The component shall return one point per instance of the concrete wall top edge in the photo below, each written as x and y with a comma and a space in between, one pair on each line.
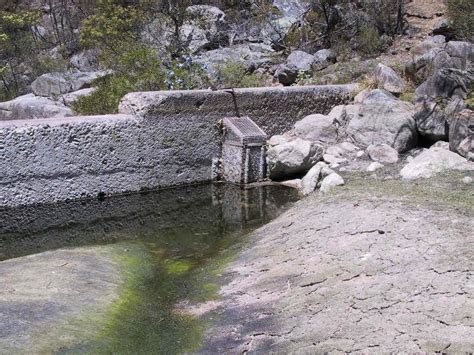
144, 103
65, 120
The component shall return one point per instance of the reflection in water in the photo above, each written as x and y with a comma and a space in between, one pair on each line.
184, 237
191, 212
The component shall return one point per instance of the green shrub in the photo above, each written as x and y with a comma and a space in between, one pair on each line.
369, 42
461, 14
236, 75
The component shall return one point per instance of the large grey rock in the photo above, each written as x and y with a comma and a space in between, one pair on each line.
446, 83
461, 134
382, 153
204, 28
300, 60
297, 61
31, 106
70, 98
389, 80
433, 161
292, 158
317, 128
462, 50
324, 58
432, 119
56, 84
85, 61
378, 122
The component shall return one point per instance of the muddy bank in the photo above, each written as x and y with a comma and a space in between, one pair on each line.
376, 266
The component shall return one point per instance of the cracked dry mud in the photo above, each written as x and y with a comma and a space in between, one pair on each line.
375, 267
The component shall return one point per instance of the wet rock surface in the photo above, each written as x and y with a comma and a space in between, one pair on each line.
384, 267
48, 297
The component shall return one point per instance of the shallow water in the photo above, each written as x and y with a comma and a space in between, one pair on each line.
178, 242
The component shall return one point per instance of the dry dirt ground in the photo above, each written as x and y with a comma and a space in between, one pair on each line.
377, 266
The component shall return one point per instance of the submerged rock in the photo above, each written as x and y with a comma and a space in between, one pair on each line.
48, 297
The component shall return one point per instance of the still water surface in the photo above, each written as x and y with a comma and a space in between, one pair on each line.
181, 241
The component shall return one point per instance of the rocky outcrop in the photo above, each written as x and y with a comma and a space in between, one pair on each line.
376, 120
205, 28
446, 83
433, 120
292, 157
31, 106
434, 54
461, 134
56, 84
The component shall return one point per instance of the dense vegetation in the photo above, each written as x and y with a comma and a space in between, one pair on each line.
461, 14
41, 37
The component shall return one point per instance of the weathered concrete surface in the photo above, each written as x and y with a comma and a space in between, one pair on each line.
51, 299
55, 160
380, 267
166, 139
275, 110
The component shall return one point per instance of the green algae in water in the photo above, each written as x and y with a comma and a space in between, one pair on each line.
173, 246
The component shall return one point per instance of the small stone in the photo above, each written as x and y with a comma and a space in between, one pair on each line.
331, 181
374, 166
360, 154
382, 153
467, 180
331, 159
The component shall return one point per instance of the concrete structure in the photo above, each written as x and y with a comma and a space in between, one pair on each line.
160, 139
243, 151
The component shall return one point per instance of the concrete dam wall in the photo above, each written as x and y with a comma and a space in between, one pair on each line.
158, 140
